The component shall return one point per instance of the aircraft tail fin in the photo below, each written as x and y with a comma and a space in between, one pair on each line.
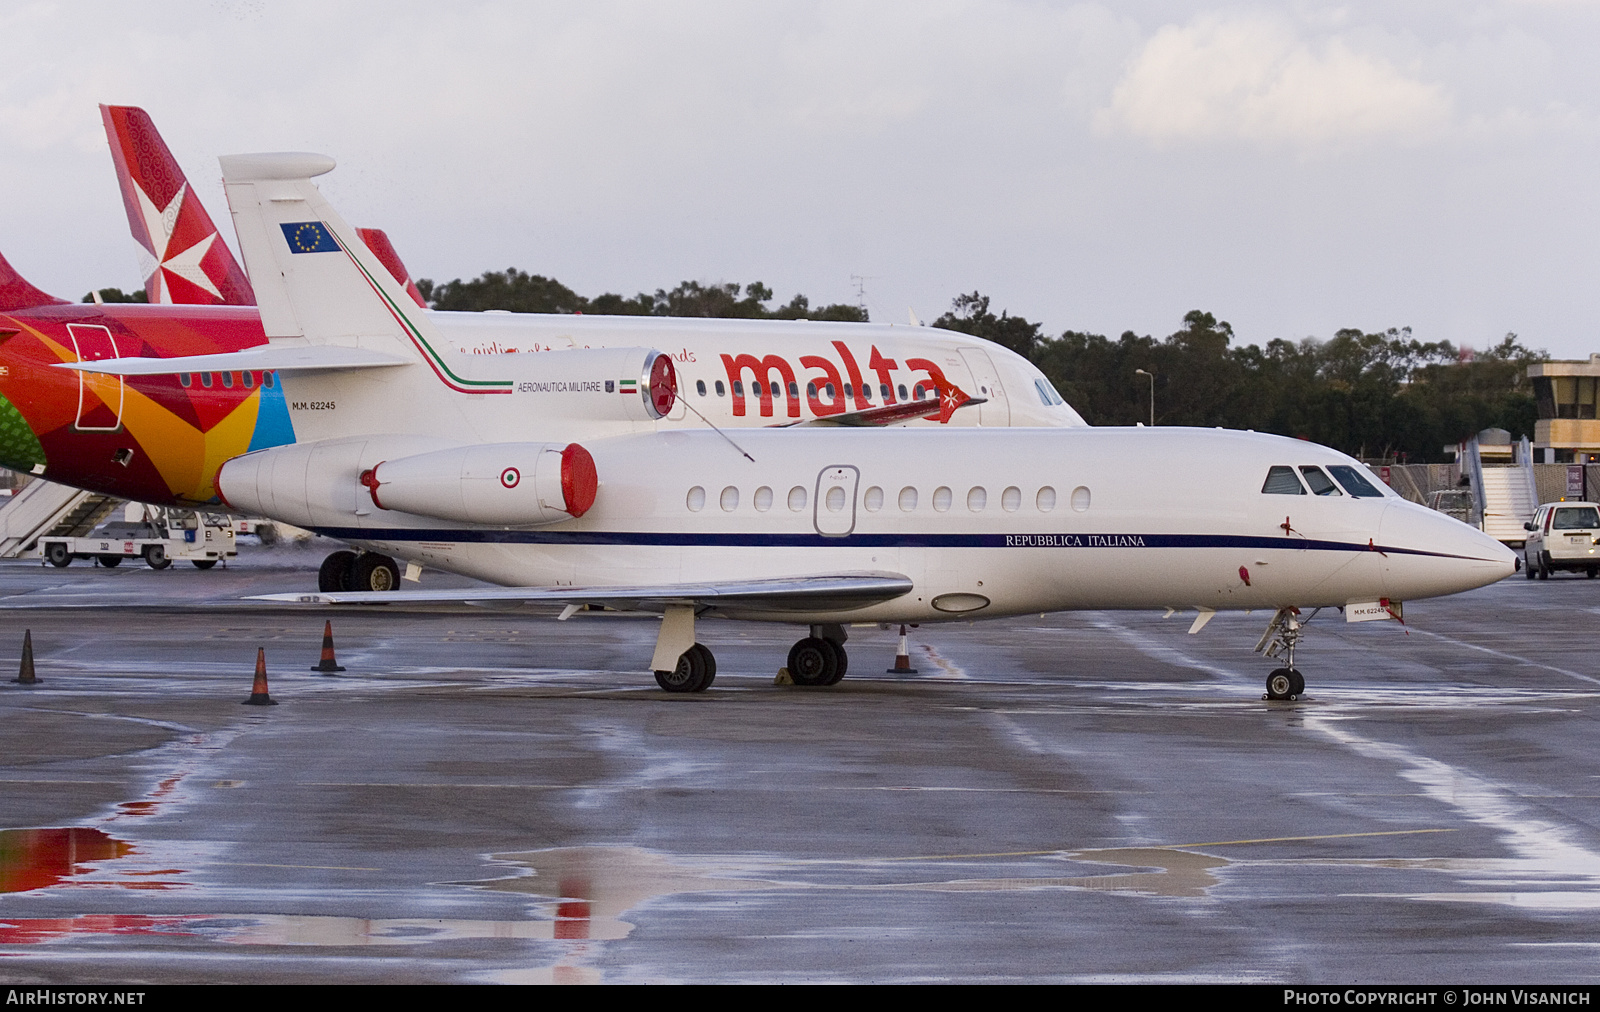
17, 293
377, 241
182, 256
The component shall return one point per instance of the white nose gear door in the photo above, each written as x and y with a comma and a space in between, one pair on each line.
833, 507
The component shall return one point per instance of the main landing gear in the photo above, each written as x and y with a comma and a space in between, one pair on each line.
683, 665
1282, 636
367, 571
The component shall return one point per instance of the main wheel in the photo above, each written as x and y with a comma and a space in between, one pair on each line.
155, 556
57, 555
334, 575
372, 571
843, 665
813, 661
202, 563
689, 675
1280, 684
708, 660
111, 561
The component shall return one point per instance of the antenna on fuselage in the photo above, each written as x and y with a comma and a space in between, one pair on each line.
685, 402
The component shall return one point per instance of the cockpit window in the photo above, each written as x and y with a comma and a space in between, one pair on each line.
1320, 483
1281, 481
1354, 482
1047, 392
1576, 518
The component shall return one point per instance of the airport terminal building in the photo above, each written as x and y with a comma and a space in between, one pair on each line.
1568, 431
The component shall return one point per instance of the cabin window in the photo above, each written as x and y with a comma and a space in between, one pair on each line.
1281, 481
873, 500
729, 500
721, 391
700, 387
794, 390
1080, 498
977, 498
205, 380
185, 379
811, 391
847, 391
827, 388
1576, 518
797, 498
696, 500
1320, 483
903, 392
762, 500
942, 497
908, 499
917, 390
1011, 499
883, 391
269, 380
1046, 499
227, 380
248, 379
835, 499
738, 388
776, 389
1354, 482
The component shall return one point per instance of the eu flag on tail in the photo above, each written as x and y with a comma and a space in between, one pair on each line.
308, 237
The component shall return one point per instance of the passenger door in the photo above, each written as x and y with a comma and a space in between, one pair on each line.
99, 396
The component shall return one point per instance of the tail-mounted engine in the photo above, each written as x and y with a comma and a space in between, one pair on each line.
509, 484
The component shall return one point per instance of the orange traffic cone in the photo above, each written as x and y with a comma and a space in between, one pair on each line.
258, 692
902, 659
328, 665
26, 676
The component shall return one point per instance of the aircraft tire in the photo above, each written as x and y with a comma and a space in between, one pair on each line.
813, 661
57, 555
202, 563
1280, 684
1299, 687
843, 664
155, 556
689, 675
334, 575
374, 572
709, 661
111, 561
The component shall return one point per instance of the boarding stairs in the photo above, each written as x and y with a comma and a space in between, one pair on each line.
1508, 502
45, 508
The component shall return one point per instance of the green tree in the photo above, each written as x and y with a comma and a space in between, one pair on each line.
118, 295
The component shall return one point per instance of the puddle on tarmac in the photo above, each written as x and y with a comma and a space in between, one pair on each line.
40, 858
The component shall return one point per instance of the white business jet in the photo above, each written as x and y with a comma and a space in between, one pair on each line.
818, 527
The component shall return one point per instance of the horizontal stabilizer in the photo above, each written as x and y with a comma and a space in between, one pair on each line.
16, 293
265, 358
841, 591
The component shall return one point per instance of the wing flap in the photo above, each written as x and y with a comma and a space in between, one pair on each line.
795, 593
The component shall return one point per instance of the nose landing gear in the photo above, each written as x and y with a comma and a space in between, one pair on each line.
1282, 636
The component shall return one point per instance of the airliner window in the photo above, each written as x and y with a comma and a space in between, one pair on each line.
776, 390
1046, 499
1320, 483
696, 499
1011, 499
249, 379
738, 388
873, 500
794, 389
205, 380
1574, 518
227, 380
185, 379
919, 391
903, 392
729, 499
908, 499
942, 498
721, 390
797, 498
1281, 481
700, 387
847, 391
763, 499
1353, 482
269, 380
883, 390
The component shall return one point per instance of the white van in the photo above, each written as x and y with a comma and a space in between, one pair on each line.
1562, 535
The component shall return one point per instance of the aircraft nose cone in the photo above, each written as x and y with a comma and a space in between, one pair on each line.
1430, 554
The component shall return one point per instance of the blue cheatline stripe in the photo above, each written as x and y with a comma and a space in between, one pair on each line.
678, 539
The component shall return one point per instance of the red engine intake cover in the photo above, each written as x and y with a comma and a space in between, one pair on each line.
579, 482
663, 385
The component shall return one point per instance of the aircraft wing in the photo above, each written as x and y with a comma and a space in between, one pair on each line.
797, 593
266, 357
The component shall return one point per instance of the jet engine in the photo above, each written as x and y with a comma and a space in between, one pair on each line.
510, 484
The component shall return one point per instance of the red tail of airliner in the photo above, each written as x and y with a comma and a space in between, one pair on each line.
378, 242
184, 259
17, 293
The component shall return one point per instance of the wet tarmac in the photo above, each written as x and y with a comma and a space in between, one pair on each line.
493, 796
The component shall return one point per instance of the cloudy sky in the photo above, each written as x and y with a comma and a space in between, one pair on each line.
1292, 167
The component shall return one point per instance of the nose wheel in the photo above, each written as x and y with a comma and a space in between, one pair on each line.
1282, 636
